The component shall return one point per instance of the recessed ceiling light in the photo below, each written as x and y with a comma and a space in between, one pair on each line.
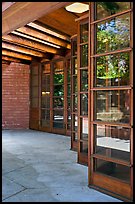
77, 7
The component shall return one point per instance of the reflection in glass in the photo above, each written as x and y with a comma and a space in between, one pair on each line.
84, 80
113, 34
58, 66
74, 61
112, 70
45, 114
74, 47
75, 122
58, 90
34, 102
105, 9
58, 102
46, 68
112, 169
34, 92
58, 115
84, 147
112, 106
74, 84
46, 82
84, 55
75, 103
58, 125
75, 137
45, 102
58, 78
84, 32
112, 141
84, 128
68, 89
84, 104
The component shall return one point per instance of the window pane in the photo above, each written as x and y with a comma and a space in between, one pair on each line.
58, 125
74, 66
46, 68
58, 66
45, 102
84, 147
84, 33
58, 102
58, 115
113, 34
112, 141
112, 169
75, 137
105, 9
84, 128
74, 122
34, 92
34, 102
84, 55
69, 90
74, 47
46, 82
74, 84
112, 70
58, 90
75, 103
45, 115
34, 70
84, 80
58, 78
112, 106
84, 104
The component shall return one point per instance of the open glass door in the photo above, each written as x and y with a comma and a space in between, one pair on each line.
111, 140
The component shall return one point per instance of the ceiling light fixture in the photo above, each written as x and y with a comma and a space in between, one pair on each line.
77, 7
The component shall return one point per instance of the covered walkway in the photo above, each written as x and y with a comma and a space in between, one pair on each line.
40, 167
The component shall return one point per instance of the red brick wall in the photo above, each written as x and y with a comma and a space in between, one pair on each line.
15, 96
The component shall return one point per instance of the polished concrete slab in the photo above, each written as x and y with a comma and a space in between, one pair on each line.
40, 167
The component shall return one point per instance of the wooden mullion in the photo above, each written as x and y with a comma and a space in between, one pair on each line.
111, 159
113, 88
110, 17
111, 124
128, 49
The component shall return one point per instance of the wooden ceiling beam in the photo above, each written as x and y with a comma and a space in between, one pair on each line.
21, 13
34, 33
22, 50
10, 59
29, 44
16, 55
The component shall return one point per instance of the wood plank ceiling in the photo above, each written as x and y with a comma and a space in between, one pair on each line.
41, 39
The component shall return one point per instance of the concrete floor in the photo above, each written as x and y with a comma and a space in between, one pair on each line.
40, 167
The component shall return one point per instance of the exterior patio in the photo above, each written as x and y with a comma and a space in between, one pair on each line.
40, 167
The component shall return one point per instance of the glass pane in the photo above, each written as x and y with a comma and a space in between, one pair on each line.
68, 102
84, 128
58, 66
84, 80
45, 123
68, 116
69, 90
34, 80
74, 84
105, 9
45, 114
74, 65
58, 125
84, 147
58, 90
75, 103
74, 47
75, 137
112, 169
45, 102
58, 102
74, 122
113, 34
58, 115
112, 141
58, 78
112, 70
46, 68
84, 55
68, 126
112, 106
84, 33
84, 104
46, 82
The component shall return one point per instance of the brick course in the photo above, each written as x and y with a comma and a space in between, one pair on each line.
15, 96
